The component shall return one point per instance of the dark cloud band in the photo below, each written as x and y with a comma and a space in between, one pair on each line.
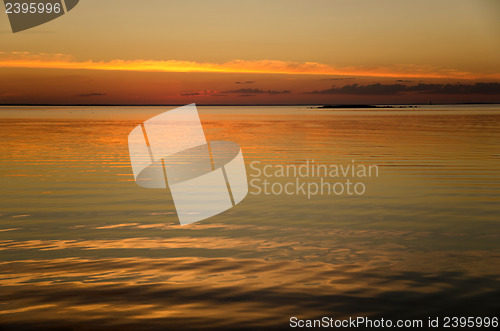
392, 89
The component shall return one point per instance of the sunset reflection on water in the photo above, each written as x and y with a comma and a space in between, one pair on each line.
82, 245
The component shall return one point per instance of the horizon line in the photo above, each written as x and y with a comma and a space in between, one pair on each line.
237, 104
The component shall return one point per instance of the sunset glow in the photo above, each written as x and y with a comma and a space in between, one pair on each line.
258, 52
59, 61
249, 165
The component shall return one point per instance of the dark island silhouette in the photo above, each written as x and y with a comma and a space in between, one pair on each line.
359, 106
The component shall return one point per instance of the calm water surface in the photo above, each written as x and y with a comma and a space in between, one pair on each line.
82, 246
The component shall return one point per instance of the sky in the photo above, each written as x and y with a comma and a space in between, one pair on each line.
256, 52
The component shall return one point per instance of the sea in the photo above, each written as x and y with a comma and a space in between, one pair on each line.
83, 247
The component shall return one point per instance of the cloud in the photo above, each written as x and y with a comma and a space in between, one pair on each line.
86, 95
392, 89
244, 92
202, 93
403, 81
190, 94
342, 78
478, 88
278, 92
61, 61
256, 91
245, 82
373, 89
9, 94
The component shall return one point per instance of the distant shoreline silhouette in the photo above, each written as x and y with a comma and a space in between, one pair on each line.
232, 105
362, 106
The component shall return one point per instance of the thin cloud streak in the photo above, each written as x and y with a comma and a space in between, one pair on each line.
256, 91
87, 95
245, 92
61, 61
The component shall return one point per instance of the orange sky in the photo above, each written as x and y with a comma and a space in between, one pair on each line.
218, 52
